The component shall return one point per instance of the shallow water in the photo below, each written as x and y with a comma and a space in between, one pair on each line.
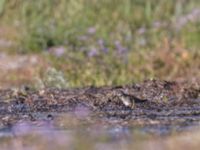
75, 130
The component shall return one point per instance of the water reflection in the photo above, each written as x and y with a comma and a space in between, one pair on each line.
77, 130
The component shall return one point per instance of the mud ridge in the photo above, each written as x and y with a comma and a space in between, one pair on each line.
163, 101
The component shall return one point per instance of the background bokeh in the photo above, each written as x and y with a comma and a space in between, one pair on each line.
91, 42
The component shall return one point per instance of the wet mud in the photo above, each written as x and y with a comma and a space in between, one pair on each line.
152, 105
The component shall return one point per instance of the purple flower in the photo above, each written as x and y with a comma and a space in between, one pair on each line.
91, 30
93, 52
101, 42
141, 30
102, 46
120, 49
193, 17
57, 51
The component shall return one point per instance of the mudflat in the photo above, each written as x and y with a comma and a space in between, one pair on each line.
150, 103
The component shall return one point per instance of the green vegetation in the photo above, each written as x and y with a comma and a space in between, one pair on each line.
107, 41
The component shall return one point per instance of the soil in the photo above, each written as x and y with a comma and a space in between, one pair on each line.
150, 103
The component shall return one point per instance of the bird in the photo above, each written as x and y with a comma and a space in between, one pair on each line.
129, 100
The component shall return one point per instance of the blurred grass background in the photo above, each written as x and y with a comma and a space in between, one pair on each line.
106, 42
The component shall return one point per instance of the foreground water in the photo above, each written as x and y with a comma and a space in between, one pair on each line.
84, 131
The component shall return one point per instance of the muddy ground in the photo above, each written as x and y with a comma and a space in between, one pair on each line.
150, 103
